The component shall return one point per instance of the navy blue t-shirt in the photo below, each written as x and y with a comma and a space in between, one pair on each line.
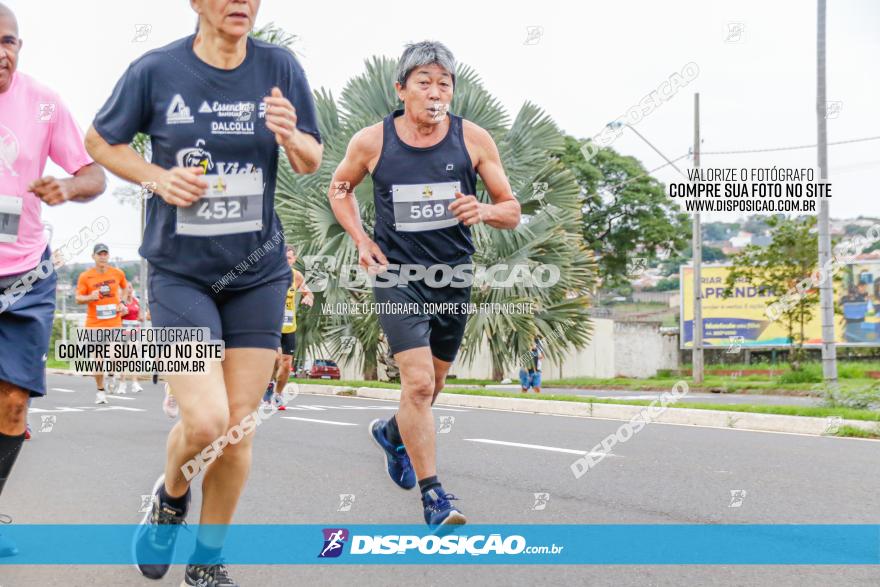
199, 115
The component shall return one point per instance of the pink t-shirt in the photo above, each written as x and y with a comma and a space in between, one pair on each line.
34, 124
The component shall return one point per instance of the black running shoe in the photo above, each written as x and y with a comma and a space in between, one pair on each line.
154, 540
208, 576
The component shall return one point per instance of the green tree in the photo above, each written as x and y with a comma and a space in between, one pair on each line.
719, 231
790, 258
550, 233
275, 35
757, 223
665, 284
626, 213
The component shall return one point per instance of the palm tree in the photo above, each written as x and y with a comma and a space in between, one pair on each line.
275, 35
549, 235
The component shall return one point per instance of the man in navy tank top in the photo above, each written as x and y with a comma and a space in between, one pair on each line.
424, 162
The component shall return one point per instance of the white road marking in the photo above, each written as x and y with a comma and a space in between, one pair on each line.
128, 399
542, 447
53, 411
120, 408
60, 410
63, 389
318, 421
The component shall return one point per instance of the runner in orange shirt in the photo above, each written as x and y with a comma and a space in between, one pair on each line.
101, 287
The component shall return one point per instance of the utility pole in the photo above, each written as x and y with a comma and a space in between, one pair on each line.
826, 286
697, 247
63, 289
697, 354
143, 273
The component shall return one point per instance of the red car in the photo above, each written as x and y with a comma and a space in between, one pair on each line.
324, 369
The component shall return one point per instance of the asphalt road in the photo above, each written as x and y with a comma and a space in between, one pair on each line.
97, 461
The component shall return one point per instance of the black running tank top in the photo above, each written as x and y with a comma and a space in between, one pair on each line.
412, 190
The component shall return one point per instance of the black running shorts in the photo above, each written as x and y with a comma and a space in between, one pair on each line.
409, 318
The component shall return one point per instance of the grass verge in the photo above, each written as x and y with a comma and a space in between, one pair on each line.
757, 384
853, 432
809, 411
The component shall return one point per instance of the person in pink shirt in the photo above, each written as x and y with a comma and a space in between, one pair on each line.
34, 125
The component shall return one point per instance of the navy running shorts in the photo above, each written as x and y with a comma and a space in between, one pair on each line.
288, 343
245, 318
409, 321
26, 325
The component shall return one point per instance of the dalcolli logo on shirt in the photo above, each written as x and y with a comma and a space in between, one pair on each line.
178, 112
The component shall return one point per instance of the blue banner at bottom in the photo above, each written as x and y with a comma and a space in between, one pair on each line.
243, 544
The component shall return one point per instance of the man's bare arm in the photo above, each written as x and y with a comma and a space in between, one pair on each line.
504, 211
351, 172
85, 299
86, 184
299, 284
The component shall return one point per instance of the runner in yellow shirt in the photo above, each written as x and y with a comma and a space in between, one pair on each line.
284, 361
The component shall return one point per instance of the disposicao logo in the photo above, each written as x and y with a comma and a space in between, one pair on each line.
334, 541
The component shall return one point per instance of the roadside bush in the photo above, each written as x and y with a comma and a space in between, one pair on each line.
809, 373
860, 398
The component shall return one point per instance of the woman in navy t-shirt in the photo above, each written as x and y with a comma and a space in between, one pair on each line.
217, 106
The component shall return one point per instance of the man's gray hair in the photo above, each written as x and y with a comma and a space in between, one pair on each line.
425, 53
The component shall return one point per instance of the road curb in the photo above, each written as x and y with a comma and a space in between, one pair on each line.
683, 416
326, 389
63, 372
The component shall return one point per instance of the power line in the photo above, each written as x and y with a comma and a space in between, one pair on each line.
739, 152
792, 148
648, 173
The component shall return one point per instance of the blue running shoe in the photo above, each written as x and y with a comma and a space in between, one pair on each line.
7, 546
439, 513
399, 468
270, 391
154, 540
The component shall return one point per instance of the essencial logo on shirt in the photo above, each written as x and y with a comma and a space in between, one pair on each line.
178, 112
242, 110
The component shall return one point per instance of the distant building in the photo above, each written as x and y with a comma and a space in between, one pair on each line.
741, 240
